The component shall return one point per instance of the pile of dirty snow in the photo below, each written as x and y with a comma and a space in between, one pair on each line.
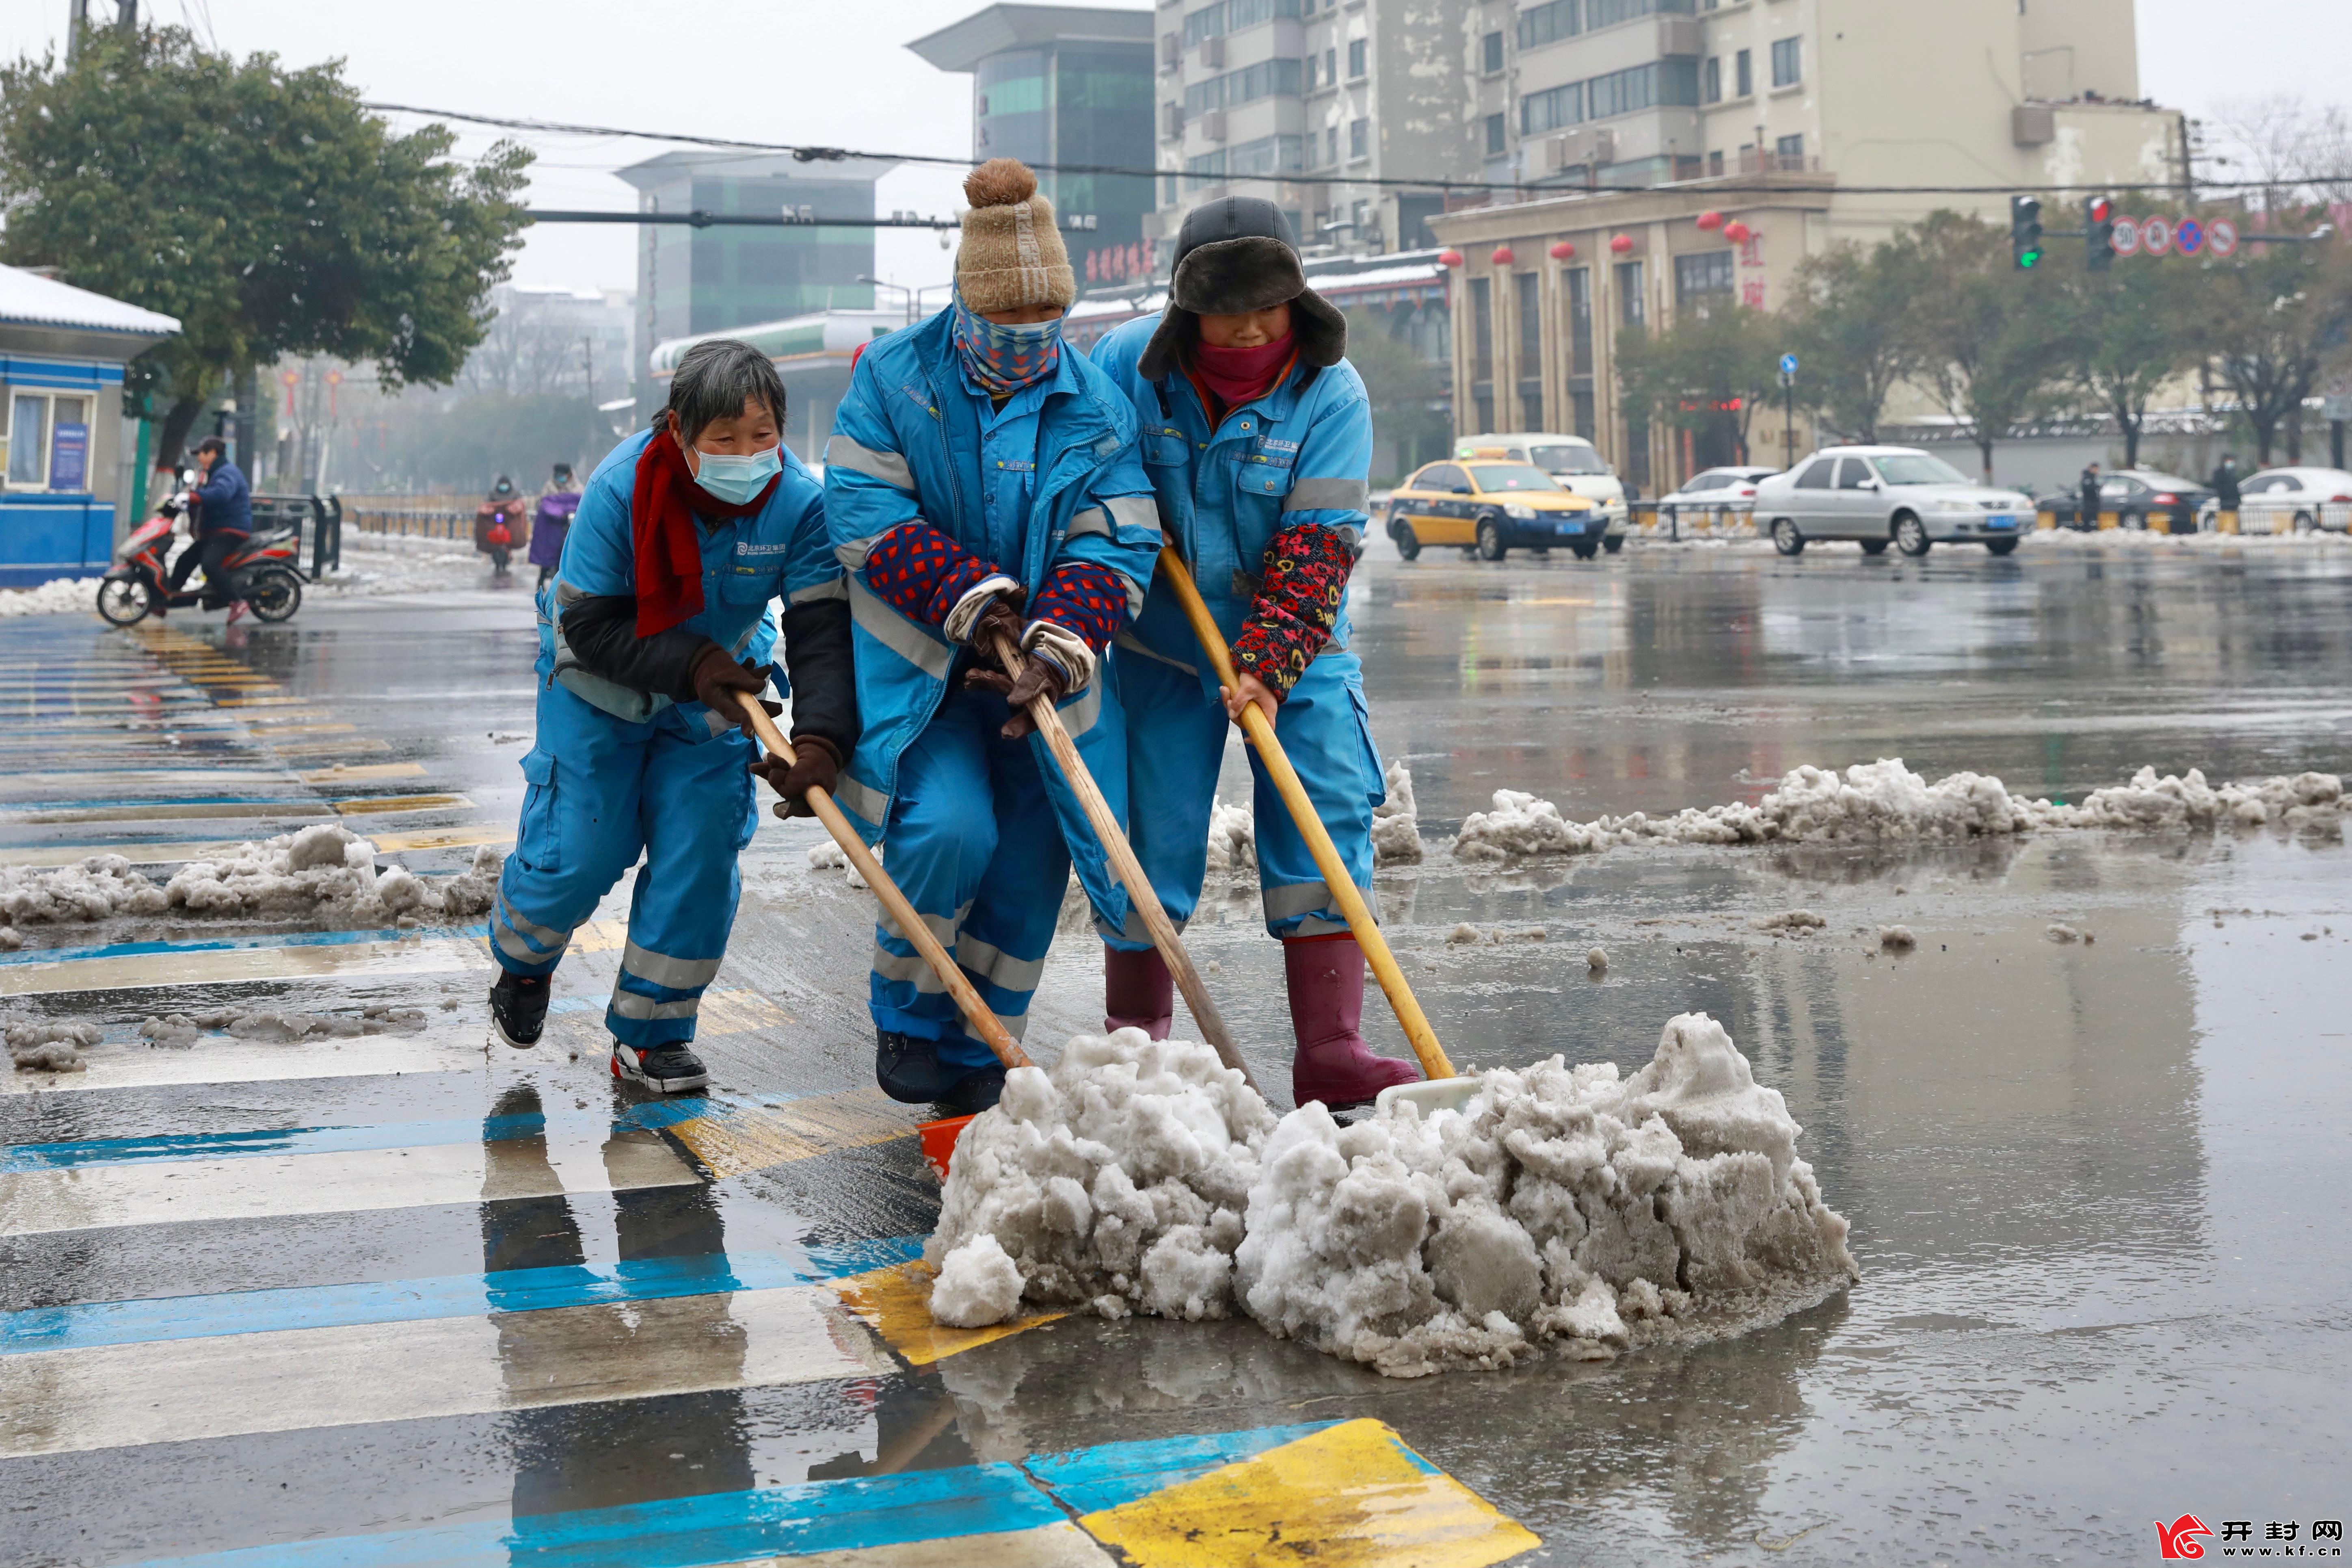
1396, 821
1232, 840
54, 598
1886, 799
1561, 1206
326, 869
36, 1047
828, 856
180, 1030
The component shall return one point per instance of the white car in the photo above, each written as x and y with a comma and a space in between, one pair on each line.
1714, 489
2296, 499
1572, 460
1881, 495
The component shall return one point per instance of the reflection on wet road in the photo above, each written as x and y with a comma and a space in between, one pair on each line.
395, 1297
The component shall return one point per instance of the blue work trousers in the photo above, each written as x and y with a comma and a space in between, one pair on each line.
973, 844
1175, 748
601, 792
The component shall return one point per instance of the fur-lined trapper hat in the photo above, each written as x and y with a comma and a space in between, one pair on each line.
1233, 255
1010, 256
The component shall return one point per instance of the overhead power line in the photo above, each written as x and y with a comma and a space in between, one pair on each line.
813, 154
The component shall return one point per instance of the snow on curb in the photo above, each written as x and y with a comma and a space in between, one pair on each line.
1561, 1206
1886, 799
57, 596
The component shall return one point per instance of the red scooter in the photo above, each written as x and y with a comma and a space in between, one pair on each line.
264, 576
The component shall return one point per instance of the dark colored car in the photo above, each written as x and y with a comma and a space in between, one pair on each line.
2136, 495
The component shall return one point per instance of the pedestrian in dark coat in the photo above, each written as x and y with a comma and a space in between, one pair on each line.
2087, 515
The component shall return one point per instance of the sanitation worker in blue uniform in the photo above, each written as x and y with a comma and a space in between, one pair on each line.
1257, 437
684, 536
981, 480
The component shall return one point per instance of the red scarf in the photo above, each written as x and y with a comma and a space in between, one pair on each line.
1242, 376
662, 509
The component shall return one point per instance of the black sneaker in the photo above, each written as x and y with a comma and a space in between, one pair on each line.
518, 1008
908, 1068
975, 1093
665, 1069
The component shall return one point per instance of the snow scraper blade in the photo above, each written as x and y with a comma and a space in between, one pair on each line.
1432, 1095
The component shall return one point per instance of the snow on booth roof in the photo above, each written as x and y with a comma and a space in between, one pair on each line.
29, 298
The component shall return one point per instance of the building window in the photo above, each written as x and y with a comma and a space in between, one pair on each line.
1580, 405
1715, 165
1482, 333
1552, 110
1666, 81
1598, 14
1356, 49
1743, 73
1529, 305
1792, 151
1701, 279
1787, 61
47, 441
1578, 280
1232, 17
1490, 53
1330, 144
1330, 66
1359, 139
1540, 25
1266, 79
1309, 63
1710, 81
1629, 293
1497, 136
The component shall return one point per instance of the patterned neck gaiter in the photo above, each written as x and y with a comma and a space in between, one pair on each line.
1004, 359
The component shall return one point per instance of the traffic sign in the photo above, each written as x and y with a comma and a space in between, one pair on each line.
2155, 235
2221, 238
2126, 237
1788, 364
2188, 236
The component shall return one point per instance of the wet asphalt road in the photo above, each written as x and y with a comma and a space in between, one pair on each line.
402, 1285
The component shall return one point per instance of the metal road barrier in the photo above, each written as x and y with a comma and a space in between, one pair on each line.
1733, 519
318, 521
428, 519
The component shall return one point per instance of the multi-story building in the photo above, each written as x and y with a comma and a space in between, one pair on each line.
1310, 103
695, 280
1673, 152
1063, 88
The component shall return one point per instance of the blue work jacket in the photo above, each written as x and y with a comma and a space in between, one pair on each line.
1299, 454
780, 551
908, 444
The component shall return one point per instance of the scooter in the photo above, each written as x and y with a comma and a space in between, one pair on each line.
263, 576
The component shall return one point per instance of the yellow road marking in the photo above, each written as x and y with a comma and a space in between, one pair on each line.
895, 1303
1351, 1496
265, 736
367, 772
736, 1139
386, 802
214, 966
442, 838
289, 807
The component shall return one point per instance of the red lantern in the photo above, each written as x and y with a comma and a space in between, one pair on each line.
1561, 250
1620, 243
1737, 232
1502, 256
1449, 257
1710, 220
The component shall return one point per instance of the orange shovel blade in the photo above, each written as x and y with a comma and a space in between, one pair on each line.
940, 1141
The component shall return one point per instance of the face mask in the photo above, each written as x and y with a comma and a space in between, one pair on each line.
1004, 359
736, 481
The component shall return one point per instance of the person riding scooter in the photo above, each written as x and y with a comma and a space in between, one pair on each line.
222, 509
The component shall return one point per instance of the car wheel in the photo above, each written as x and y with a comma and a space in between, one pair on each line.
1874, 547
1911, 535
2000, 546
2306, 523
1490, 539
1408, 542
1585, 551
1613, 544
1786, 539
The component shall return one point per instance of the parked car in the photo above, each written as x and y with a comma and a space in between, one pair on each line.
1574, 461
2309, 499
2135, 495
1713, 489
1881, 495
1492, 508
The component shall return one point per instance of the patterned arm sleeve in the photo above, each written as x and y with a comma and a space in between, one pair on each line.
922, 573
1084, 597
1306, 567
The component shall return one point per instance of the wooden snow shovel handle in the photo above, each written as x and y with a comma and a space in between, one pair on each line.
983, 1023
1130, 871
1260, 731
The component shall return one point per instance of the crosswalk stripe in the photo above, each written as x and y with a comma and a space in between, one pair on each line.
367, 957
147, 854
101, 1196
180, 1391
252, 1143
87, 1324
229, 1061
894, 1301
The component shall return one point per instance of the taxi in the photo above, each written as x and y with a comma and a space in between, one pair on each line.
1490, 504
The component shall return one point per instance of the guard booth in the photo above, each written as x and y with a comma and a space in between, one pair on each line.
64, 470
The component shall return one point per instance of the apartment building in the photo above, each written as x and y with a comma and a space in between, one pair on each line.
1675, 152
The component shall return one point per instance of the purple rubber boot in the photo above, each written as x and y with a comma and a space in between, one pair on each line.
1327, 1006
1138, 991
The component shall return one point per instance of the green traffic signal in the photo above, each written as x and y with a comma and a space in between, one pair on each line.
2025, 230
2027, 258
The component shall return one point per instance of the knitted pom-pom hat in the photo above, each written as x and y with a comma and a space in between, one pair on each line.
1011, 255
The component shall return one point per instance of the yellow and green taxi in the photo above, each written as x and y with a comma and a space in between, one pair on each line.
1490, 504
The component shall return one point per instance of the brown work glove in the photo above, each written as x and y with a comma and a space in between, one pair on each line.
717, 678
1040, 677
812, 762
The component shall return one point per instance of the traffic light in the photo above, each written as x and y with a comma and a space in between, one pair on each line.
2098, 233
2025, 230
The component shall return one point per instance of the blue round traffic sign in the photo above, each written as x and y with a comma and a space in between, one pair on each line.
2187, 234
1788, 364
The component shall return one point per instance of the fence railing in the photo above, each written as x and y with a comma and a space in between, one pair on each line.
319, 522
424, 521
1684, 520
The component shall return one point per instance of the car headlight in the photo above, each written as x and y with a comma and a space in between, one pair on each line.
1522, 513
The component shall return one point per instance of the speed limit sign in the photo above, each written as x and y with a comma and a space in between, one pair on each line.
2156, 235
2221, 236
2126, 238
